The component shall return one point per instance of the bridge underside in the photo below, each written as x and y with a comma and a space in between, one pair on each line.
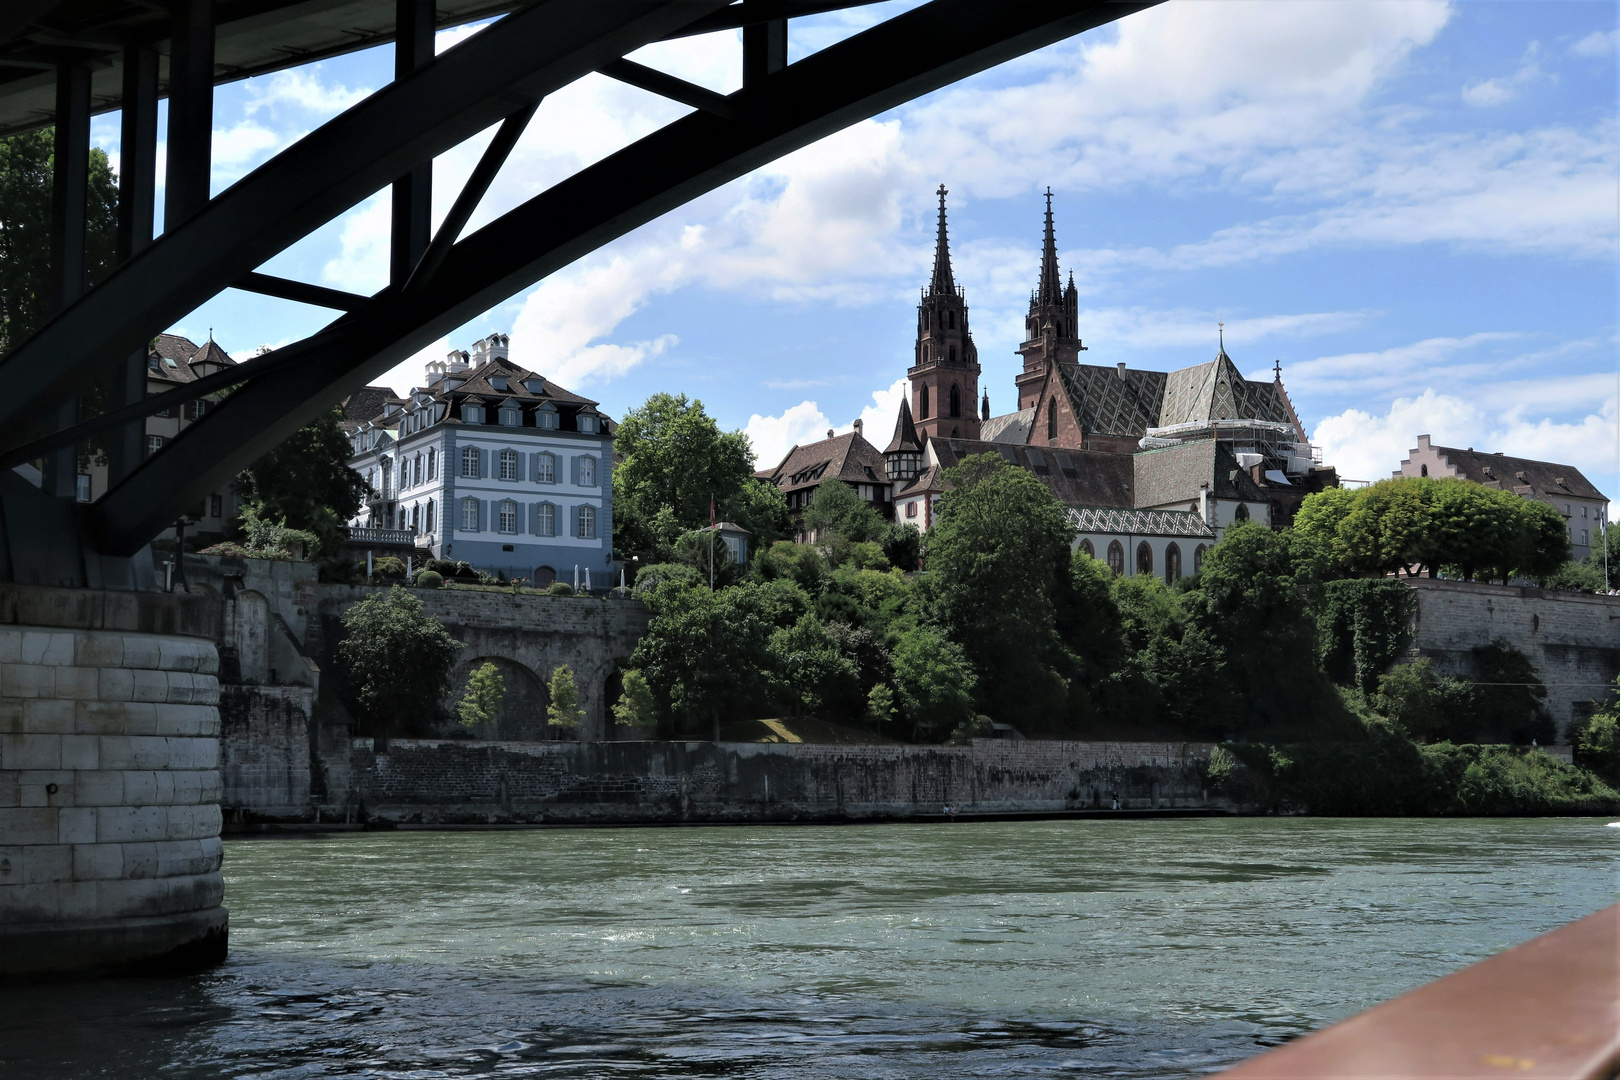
438, 280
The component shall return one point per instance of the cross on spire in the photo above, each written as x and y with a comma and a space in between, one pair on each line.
943, 282
1276, 369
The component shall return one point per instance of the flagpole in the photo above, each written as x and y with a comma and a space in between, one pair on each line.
711, 541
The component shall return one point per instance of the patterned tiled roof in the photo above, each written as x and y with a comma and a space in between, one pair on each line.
1105, 402
1216, 391
1113, 519
1011, 427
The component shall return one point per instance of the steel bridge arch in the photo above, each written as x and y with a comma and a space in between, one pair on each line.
497, 76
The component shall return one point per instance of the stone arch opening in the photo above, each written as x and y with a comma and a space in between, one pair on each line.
544, 576
523, 703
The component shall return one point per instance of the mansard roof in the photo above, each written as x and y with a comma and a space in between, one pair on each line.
368, 402
1175, 473
1523, 476
1112, 519
847, 457
473, 385
1009, 427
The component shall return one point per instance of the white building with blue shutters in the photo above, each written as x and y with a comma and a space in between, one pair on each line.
493, 465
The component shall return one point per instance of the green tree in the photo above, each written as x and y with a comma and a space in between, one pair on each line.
481, 702
799, 563
674, 460
564, 710
1597, 741
25, 230
835, 509
704, 653
1426, 706
636, 707
809, 671
397, 659
307, 482
880, 706
1509, 701
998, 559
933, 679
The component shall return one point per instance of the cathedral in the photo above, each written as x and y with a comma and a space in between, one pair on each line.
1153, 465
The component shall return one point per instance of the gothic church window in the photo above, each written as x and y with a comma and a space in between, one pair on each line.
922, 410
956, 395
1172, 564
1085, 546
1051, 418
953, 354
1144, 559
952, 318
1242, 513
1198, 558
1116, 557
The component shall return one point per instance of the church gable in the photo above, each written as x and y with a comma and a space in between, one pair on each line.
1113, 401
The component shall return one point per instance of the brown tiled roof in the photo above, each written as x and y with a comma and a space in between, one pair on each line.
926, 480
847, 457
1074, 477
170, 356
1526, 476
1175, 473
367, 403
1009, 427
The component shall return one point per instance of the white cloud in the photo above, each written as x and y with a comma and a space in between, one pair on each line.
773, 436
878, 418
1368, 446
1599, 44
1485, 93
361, 265
302, 90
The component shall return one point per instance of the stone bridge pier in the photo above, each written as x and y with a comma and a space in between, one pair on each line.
109, 782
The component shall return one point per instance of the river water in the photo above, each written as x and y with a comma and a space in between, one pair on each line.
1021, 949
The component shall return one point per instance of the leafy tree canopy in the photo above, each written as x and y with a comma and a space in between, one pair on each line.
398, 660
307, 482
836, 509
481, 701
564, 709
25, 229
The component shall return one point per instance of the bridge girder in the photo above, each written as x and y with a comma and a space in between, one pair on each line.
501, 72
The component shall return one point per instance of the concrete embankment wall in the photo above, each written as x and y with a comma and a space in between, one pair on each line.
1573, 639
457, 782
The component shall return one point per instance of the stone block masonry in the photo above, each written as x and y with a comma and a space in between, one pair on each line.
1572, 639
109, 783
434, 782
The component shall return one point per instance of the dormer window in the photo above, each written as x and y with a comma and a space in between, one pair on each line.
472, 414
545, 418
534, 384
587, 424
498, 381
511, 417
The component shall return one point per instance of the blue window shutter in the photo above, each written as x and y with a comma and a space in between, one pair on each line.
573, 469
534, 467
573, 521
483, 509
534, 518
483, 464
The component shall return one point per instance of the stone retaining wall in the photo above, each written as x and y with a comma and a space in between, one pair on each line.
450, 782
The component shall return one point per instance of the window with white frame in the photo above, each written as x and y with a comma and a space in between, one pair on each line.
545, 418
154, 443
587, 471
587, 424
509, 465
430, 521
472, 414
511, 418
547, 523
545, 469
469, 515
587, 522
416, 470
508, 516
469, 461
433, 465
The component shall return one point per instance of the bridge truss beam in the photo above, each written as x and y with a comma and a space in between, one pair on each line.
498, 75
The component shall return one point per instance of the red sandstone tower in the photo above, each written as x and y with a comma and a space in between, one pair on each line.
1051, 329
945, 377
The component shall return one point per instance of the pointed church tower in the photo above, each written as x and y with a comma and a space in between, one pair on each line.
945, 371
902, 458
1051, 329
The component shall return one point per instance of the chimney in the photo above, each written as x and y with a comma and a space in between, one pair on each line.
496, 347
829, 433
859, 426
1122, 370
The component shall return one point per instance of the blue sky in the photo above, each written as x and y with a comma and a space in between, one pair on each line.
1411, 205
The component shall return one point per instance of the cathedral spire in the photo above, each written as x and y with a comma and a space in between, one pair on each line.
943, 281
1051, 291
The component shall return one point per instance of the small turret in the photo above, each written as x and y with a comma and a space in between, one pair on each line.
903, 456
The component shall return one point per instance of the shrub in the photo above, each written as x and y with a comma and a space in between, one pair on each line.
636, 706
443, 567
1597, 746
481, 702
1425, 706
387, 569
979, 727
649, 577
560, 588
564, 710
429, 579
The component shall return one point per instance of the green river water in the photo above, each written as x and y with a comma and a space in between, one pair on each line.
1018, 949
